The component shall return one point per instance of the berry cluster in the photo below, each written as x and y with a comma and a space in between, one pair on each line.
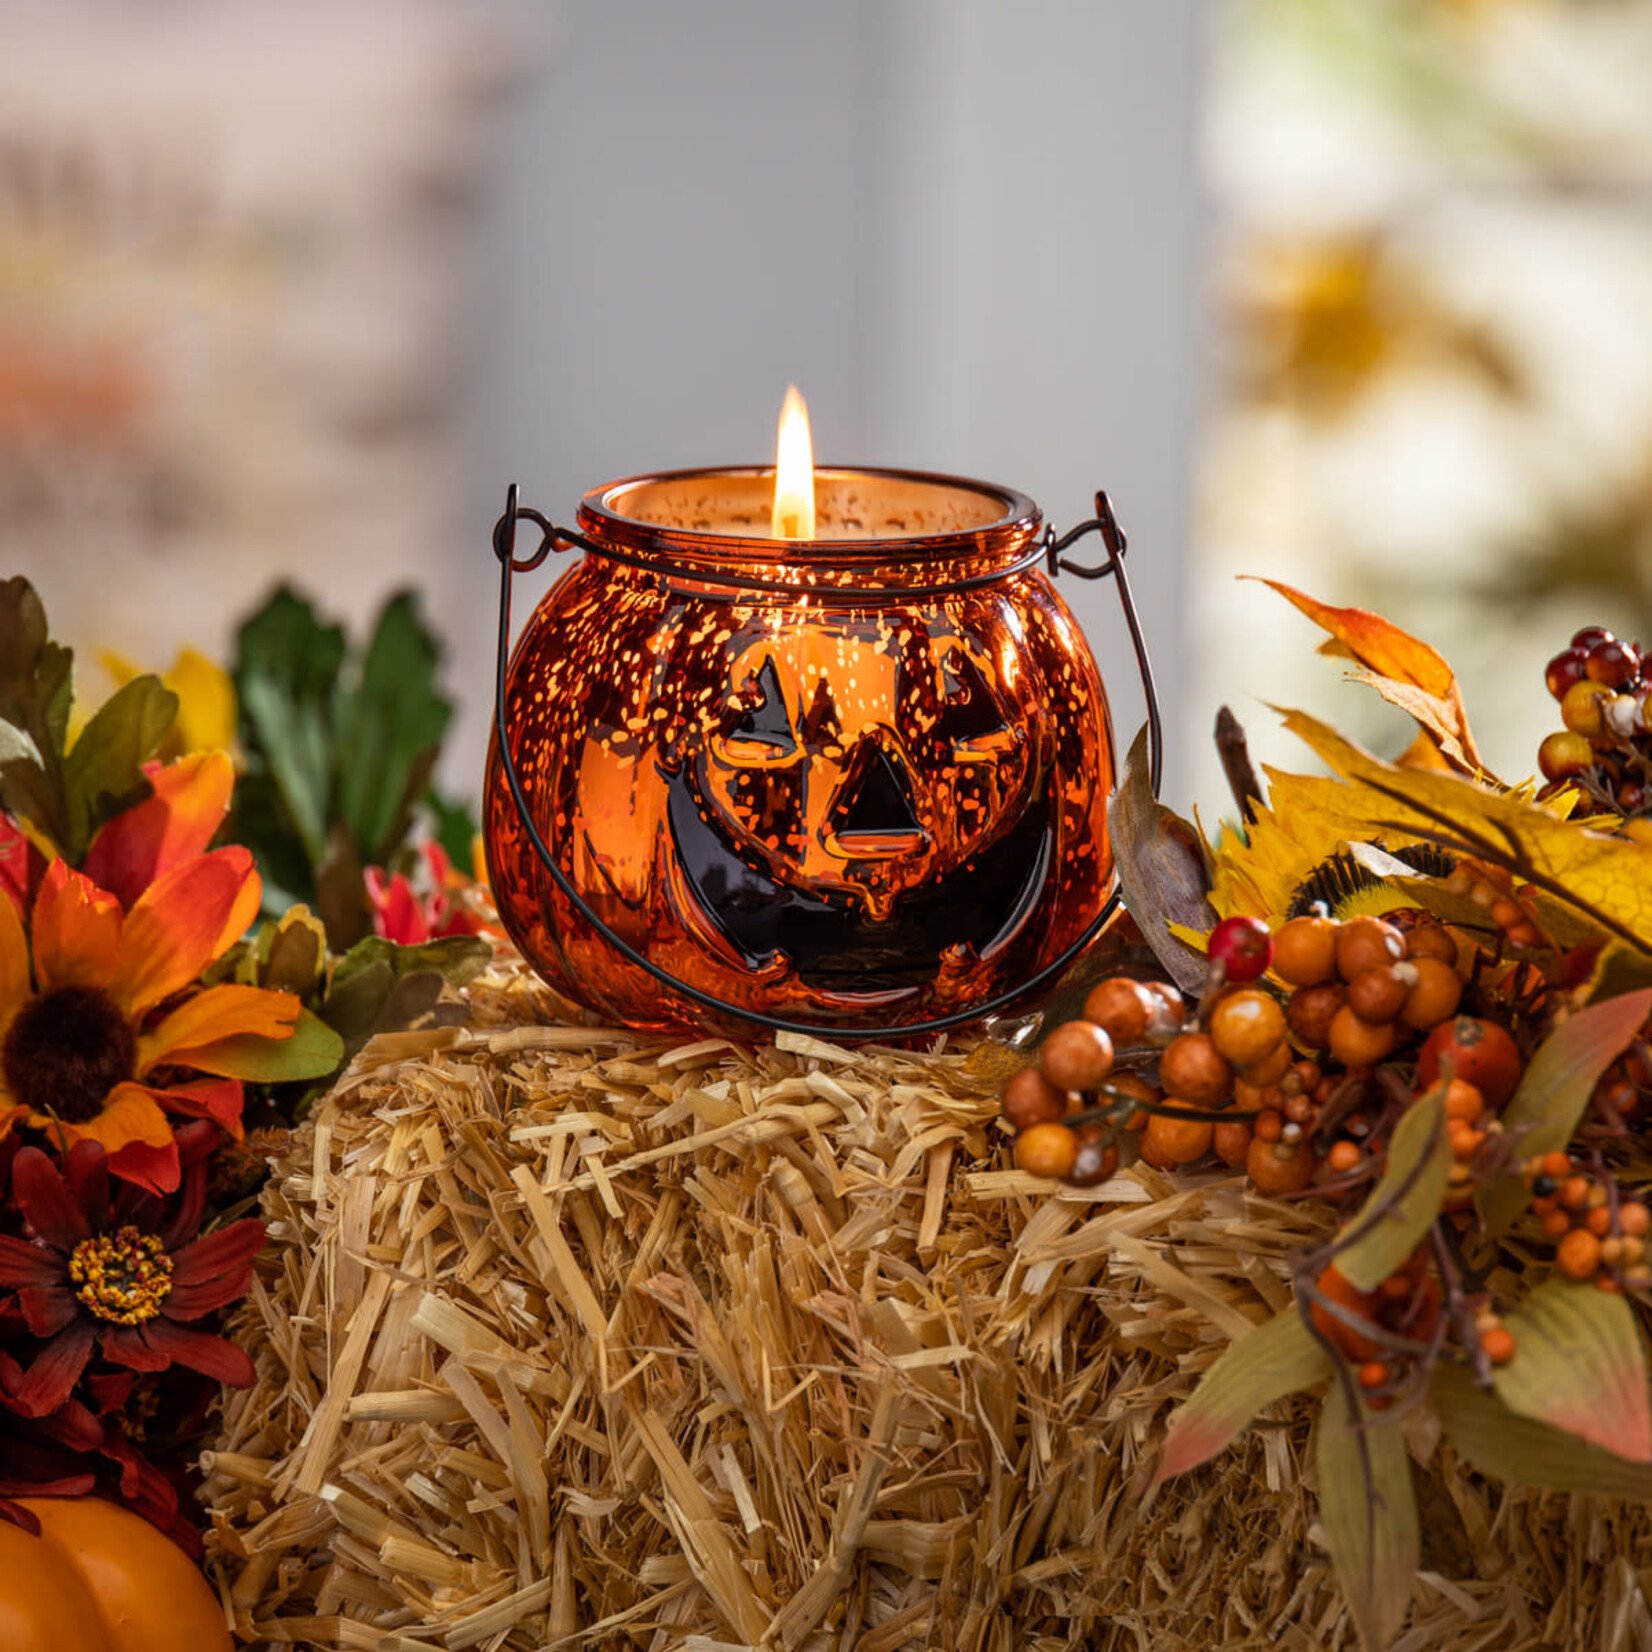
1605, 749
1597, 1234
1260, 1080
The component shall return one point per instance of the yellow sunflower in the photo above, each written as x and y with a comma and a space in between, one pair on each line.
105, 1034
1307, 821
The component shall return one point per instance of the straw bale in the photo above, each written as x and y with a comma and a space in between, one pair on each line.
574, 1338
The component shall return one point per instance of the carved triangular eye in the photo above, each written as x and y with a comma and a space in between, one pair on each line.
820, 723
766, 723
970, 709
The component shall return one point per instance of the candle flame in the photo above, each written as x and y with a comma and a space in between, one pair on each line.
793, 516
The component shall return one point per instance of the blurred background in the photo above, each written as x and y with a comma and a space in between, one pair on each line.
1351, 293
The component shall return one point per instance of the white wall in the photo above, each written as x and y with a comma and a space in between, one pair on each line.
969, 231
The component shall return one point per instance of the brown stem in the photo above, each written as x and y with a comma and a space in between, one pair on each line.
1234, 752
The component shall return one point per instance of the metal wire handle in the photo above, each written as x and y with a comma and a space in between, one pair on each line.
558, 539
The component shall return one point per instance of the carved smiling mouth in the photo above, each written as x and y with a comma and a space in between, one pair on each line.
832, 943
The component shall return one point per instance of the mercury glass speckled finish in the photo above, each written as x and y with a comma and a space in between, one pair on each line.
867, 801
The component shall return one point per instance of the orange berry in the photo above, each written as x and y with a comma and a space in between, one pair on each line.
1139, 1088
1029, 1098
1076, 1056
1194, 1069
1337, 1289
1498, 1345
1169, 1009
1305, 951
1633, 1218
1378, 995
1046, 1150
1279, 1167
1554, 1164
1271, 1068
1557, 1224
1373, 1374
1123, 1008
1356, 1043
1253, 1097
1343, 1157
1578, 1254
1169, 1142
1310, 1011
1232, 1142
1269, 1125
1574, 1192
1599, 1221
1434, 995
1367, 943
1247, 1027
1463, 1101
1465, 1140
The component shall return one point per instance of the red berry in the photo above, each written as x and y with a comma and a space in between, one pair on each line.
1481, 1053
1590, 635
1614, 663
1242, 946
1565, 669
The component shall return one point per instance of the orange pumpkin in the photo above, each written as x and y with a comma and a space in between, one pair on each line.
101, 1579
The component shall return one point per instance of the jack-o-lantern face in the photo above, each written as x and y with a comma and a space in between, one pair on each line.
856, 775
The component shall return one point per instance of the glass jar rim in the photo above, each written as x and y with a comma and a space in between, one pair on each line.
1012, 527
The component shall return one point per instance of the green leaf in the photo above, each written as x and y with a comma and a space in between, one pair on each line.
1508, 1446
1403, 1205
103, 774
453, 824
1555, 1089
1161, 869
458, 958
390, 727
291, 739
293, 953
1368, 1512
353, 1005
1578, 1366
1618, 970
1278, 1358
36, 693
286, 672
314, 1050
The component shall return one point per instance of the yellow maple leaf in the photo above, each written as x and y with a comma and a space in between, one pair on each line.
1604, 880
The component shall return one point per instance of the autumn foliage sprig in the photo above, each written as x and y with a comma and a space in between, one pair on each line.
1422, 998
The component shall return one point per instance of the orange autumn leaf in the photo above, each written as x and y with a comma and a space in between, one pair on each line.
1404, 670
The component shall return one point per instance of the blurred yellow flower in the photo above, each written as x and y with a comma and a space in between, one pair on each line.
206, 700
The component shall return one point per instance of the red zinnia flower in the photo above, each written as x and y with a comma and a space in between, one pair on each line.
115, 1272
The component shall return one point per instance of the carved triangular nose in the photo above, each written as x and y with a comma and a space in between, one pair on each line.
873, 813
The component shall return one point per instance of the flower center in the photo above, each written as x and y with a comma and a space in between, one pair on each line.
123, 1276
66, 1051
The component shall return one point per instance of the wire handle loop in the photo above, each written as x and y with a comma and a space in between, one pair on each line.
559, 539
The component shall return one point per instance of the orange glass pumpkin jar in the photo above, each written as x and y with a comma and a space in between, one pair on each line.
855, 784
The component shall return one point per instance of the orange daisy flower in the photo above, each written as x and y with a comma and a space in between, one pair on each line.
99, 1011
